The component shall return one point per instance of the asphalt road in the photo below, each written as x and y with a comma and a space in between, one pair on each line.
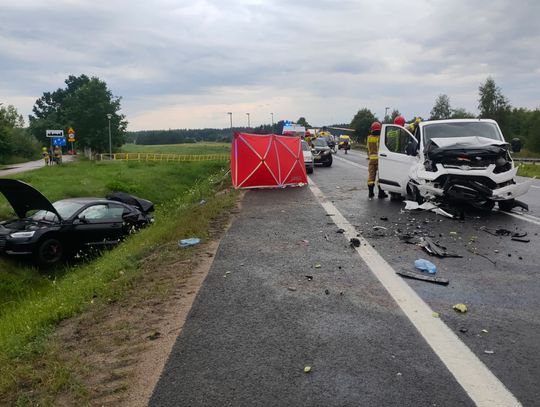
259, 320
30, 165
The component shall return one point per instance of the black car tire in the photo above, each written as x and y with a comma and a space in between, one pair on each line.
328, 163
49, 252
507, 205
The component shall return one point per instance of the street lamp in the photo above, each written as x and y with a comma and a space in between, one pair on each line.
272, 114
247, 114
230, 116
386, 109
109, 116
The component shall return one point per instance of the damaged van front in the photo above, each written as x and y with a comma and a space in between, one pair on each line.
460, 160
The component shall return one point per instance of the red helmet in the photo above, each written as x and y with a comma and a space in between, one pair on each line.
400, 121
375, 126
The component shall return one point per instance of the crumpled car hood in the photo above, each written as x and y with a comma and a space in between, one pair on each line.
466, 142
23, 197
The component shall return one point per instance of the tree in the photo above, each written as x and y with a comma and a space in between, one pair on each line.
361, 123
82, 105
441, 110
303, 122
461, 113
492, 103
15, 143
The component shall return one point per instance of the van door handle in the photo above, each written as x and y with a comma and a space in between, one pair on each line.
382, 154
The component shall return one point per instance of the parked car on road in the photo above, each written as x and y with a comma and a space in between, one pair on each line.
322, 154
308, 157
460, 160
57, 230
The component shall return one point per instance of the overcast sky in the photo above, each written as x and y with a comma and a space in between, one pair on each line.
185, 64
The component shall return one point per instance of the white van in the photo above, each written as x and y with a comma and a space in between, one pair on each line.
464, 160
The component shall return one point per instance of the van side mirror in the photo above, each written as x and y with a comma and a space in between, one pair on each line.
516, 145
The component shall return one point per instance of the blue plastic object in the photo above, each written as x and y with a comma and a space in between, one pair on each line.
189, 242
425, 265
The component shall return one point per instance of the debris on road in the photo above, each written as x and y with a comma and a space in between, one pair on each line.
423, 277
379, 228
384, 218
463, 330
520, 239
309, 278
307, 369
304, 242
489, 352
154, 335
427, 206
292, 288
425, 265
503, 232
435, 315
460, 308
355, 242
429, 245
340, 230
317, 266
327, 291
192, 241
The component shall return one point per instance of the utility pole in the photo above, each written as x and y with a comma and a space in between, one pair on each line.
230, 116
386, 109
109, 116
272, 114
249, 124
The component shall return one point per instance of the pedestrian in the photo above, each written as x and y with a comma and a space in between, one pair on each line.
58, 155
373, 157
45, 155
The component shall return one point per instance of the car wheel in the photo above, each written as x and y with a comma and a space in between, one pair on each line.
507, 205
49, 252
329, 162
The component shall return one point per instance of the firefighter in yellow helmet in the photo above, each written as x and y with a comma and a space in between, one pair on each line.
45, 155
373, 157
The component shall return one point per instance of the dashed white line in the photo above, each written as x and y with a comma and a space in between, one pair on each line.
482, 386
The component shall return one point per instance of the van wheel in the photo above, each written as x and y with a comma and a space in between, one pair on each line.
49, 252
507, 205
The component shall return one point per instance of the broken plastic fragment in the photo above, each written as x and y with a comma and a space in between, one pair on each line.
460, 308
489, 352
435, 315
189, 242
317, 266
307, 369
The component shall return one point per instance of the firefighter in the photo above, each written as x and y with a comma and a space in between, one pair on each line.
373, 157
45, 155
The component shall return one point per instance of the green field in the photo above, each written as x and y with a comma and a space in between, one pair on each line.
32, 302
195, 148
529, 170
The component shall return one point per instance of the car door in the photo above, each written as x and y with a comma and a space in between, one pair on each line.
397, 155
99, 224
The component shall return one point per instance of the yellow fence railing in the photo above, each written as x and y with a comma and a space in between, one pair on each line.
163, 157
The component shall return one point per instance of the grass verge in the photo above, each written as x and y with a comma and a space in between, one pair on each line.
195, 148
529, 170
32, 371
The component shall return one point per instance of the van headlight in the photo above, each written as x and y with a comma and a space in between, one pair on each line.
22, 235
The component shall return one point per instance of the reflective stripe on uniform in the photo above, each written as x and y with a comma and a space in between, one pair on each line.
373, 157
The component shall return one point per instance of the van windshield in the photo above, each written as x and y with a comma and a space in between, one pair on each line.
462, 129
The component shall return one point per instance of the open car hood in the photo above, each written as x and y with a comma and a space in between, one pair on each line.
23, 197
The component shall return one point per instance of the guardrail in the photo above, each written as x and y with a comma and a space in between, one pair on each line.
532, 161
162, 157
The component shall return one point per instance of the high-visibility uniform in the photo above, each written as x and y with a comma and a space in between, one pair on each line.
373, 156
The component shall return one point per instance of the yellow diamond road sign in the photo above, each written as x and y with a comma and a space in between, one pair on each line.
71, 131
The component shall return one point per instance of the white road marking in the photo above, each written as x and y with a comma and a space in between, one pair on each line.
534, 186
525, 217
482, 386
352, 163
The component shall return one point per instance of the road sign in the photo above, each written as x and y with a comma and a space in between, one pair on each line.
58, 141
54, 133
71, 131
71, 139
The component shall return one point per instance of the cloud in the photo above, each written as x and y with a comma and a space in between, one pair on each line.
179, 63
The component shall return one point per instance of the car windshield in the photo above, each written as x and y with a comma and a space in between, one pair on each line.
305, 146
66, 209
463, 129
320, 142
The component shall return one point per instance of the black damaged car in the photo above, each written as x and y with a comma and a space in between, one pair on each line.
57, 230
